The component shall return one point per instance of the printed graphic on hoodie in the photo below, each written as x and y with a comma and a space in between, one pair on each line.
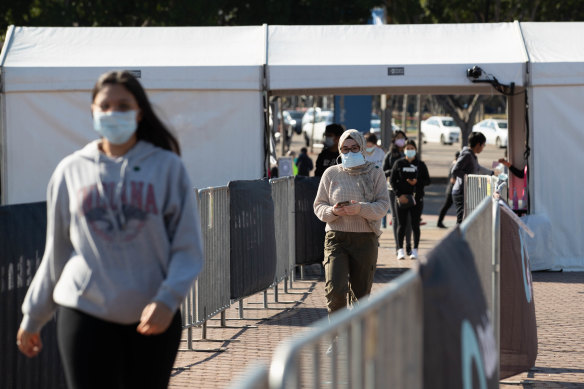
129, 211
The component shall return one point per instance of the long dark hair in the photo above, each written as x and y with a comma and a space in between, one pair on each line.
150, 128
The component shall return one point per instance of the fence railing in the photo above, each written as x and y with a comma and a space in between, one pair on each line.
210, 294
481, 229
361, 354
476, 188
283, 196
356, 349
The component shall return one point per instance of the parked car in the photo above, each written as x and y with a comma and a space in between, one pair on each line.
441, 129
309, 115
323, 119
294, 120
495, 130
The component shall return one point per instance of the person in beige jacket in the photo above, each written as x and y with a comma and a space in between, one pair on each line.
352, 199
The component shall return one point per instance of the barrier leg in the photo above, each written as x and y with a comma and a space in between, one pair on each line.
266, 299
241, 309
276, 292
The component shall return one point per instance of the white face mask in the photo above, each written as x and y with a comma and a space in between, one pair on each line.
370, 149
117, 127
410, 153
351, 159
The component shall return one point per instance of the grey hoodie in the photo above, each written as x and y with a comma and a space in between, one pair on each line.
121, 233
467, 163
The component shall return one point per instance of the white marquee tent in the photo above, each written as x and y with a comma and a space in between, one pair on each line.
205, 82
556, 100
208, 83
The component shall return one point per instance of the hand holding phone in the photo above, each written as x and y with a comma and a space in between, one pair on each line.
343, 203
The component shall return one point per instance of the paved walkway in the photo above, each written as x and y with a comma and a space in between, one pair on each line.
252, 340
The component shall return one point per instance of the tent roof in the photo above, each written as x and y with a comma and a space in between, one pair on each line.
556, 52
425, 56
49, 58
300, 59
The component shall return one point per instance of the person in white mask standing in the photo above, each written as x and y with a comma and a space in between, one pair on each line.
123, 248
352, 198
409, 176
373, 153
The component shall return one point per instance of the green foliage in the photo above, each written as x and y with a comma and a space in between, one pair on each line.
483, 11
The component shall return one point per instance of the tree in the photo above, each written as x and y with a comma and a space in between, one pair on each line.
463, 110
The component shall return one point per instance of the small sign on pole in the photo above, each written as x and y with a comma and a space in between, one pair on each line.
285, 167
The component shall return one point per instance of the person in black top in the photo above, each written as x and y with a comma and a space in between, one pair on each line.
409, 176
517, 172
329, 154
448, 199
467, 163
398, 143
304, 163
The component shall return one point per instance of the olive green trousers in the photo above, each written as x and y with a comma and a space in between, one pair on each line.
350, 259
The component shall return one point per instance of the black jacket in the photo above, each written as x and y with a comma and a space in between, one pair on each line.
404, 169
390, 158
467, 163
325, 159
304, 164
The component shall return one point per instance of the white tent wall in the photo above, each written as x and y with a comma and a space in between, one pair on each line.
557, 144
220, 142
205, 82
221, 133
556, 79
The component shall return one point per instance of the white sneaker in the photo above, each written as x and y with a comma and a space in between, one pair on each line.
400, 254
414, 254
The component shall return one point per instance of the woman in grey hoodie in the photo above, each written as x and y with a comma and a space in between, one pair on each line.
123, 248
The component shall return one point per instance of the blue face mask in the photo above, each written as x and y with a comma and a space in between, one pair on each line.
116, 127
409, 153
370, 149
351, 159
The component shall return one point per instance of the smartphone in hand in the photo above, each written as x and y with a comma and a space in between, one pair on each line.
343, 203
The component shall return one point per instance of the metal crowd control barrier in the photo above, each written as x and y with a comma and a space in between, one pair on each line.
283, 196
360, 353
22, 241
476, 188
256, 377
354, 350
481, 229
210, 295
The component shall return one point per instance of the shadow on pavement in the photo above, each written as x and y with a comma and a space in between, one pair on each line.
559, 277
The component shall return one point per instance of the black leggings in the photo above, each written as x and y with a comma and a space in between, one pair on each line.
415, 214
100, 354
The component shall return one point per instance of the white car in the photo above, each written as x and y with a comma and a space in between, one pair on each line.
495, 130
323, 119
441, 129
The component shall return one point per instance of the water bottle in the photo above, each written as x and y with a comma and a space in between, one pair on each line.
524, 198
515, 199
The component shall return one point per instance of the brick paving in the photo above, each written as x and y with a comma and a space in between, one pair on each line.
252, 340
